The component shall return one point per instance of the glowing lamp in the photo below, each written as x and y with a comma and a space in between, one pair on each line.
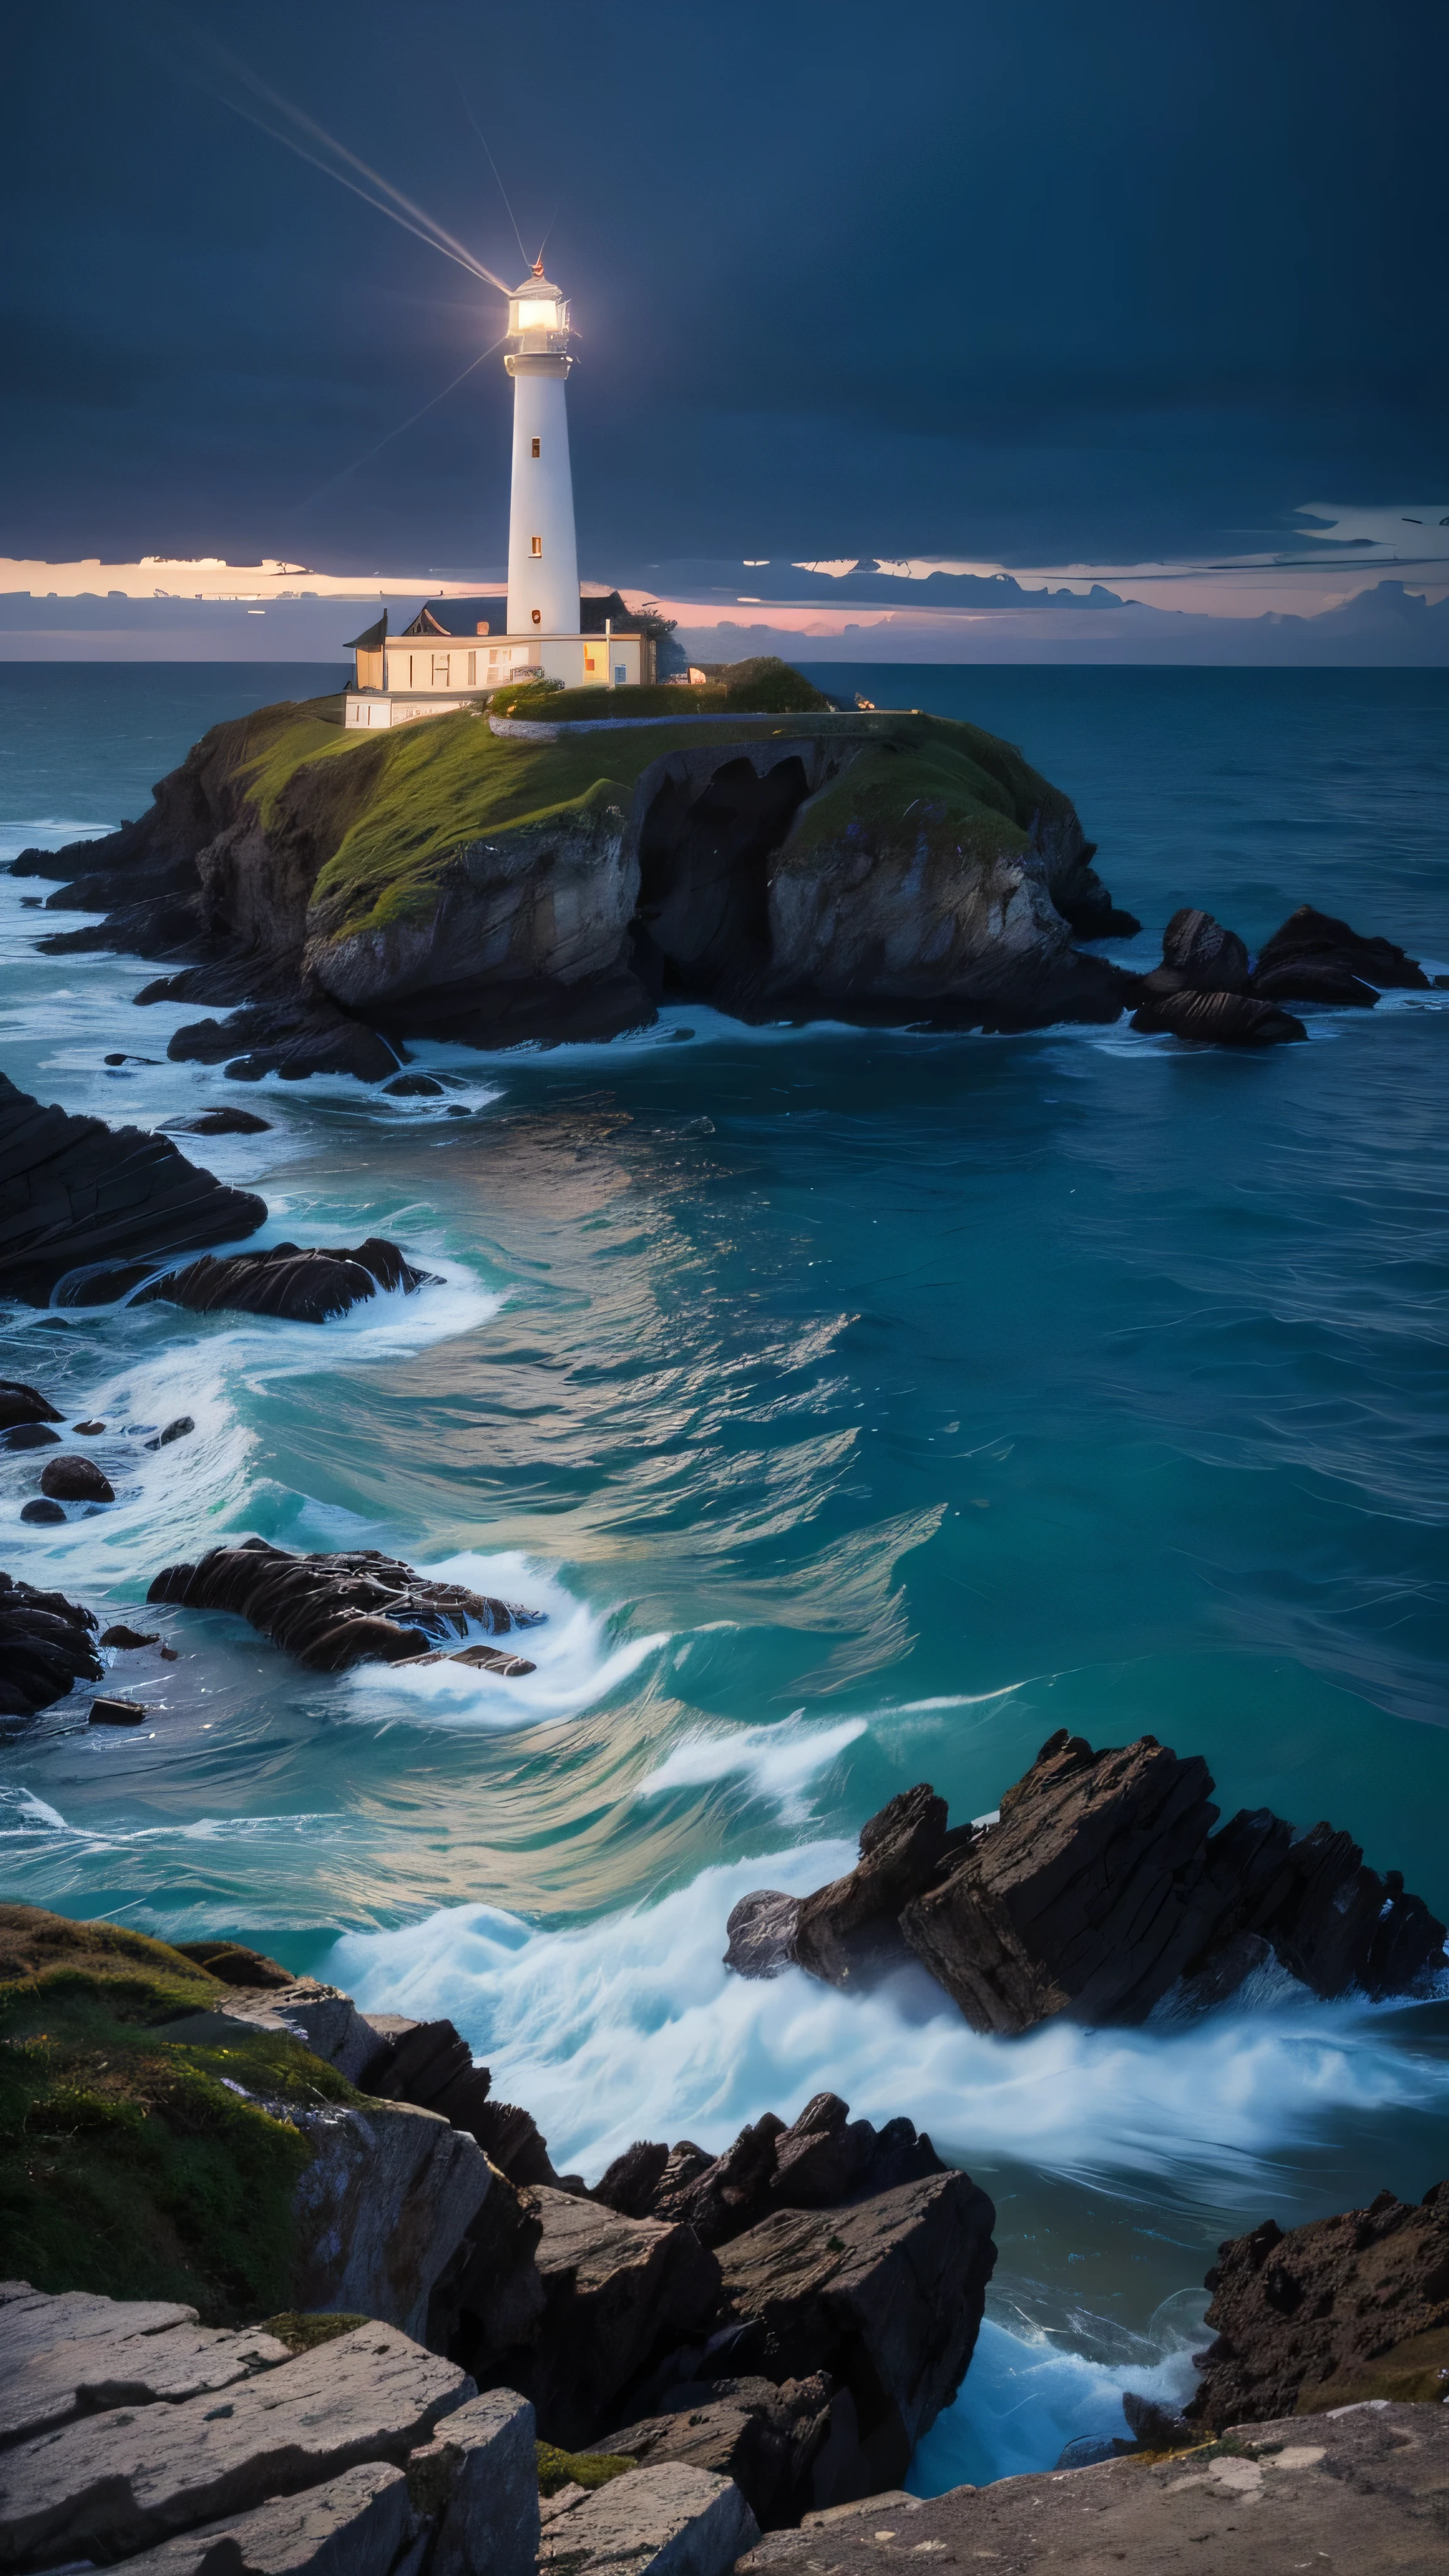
538, 314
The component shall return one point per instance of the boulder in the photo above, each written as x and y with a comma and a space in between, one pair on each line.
766, 2438
219, 1122
886, 2294
333, 1610
762, 1933
674, 2520
1344, 2310
851, 1928
413, 1086
116, 1712
1102, 1887
76, 1480
1208, 958
108, 2484
42, 1510
1361, 2492
176, 1430
616, 2292
1314, 979
294, 1038
478, 2481
1309, 937
76, 1194
47, 1645
820, 2160
30, 1435
128, 1639
1216, 1019
20, 1403
302, 1286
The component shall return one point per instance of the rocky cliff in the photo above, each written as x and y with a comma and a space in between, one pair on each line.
544, 872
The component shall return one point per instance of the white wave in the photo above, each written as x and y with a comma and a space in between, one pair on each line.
630, 2027
577, 1658
1024, 2399
778, 1761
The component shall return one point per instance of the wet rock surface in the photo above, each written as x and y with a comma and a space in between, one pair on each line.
335, 1609
296, 1284
47, 1645
1363, 2491
23, 1406
77, 1195
76, 1480
1208, 988
219, 1122
1101, 1888
1310, 938
1348, 2309
293, 1039
1217, 1019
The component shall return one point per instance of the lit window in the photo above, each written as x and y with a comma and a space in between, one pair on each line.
618, 673
589, 663
538, 447
535, 546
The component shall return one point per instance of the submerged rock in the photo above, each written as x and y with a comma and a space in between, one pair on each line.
1101, 1887
76, 1194
219, 1122
333, 1610
299, 1285
1216, 1019
47, 1645
1344, 2310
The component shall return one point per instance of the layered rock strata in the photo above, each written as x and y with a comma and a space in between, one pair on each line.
77, 1196
331, 1610
1348, 2309
302, 1286
132, 2434
1209, 987
1101, 1887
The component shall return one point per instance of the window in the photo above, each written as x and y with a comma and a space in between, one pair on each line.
472, 670
442, 670
538, 447
535, 547
619, 674
589, 663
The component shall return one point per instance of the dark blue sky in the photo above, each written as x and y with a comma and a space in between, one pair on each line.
1036, 282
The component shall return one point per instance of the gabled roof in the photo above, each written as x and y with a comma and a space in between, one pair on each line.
455, 617
372, 640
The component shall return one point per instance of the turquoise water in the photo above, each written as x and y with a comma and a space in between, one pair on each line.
861, 1407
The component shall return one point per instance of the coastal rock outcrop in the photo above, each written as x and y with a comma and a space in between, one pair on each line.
1310, 942
1100, 1889
1346, 2309
79, 1197
344, 1607
1209, 988
299, 1285
821, 2159
1361, 2491
47, 1645
524, 882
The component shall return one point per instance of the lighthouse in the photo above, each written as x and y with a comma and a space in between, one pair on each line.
543, 557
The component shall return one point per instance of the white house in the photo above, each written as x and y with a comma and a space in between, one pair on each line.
457, 650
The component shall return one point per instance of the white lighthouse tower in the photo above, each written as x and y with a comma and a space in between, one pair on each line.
543, 557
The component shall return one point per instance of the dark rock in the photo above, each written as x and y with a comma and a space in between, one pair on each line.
128, 1638
887, 2295
76, 1480
30, 1435
301, 1286
822, 2160
75, 1193
131, 1059
766, 2438
1217, 1019
46, 1642
1208, 958
334, 1610
176, 1430
1320, 937
761, 1932
40, 1510
1155, 2427
1344, 2309
234, 1965
220, 1122
293, 1038
90, 1430
1313, 979
413, 1086
117, 1712
21, 1405
850, 1929
1103, 1885
616, 2292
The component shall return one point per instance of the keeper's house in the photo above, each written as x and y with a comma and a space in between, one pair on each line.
457, 651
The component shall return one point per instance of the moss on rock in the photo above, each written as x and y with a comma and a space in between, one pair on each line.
131, 2164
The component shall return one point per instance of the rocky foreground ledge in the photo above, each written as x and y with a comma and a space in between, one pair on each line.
312, 2303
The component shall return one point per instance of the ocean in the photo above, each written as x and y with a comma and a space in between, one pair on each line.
861, 1407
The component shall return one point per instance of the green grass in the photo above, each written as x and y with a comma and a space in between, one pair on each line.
578, 2468
128, 2163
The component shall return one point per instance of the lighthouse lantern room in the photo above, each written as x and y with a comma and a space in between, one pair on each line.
546, 631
